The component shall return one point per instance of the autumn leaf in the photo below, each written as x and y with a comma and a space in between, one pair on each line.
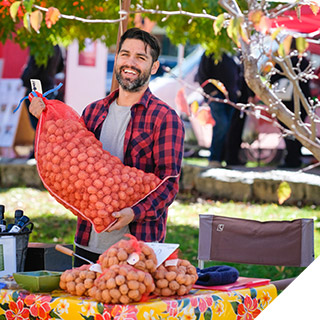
314, 8
287, 44
36, 18
26, 21
280, 268
264, 25
284, 47
14, 10
194, 107
243, 33
255, 16
52, 16
181, 102
260, 21
218, 24
204, 117
275, 33
220, 86
284, 192
233, 30
301, 44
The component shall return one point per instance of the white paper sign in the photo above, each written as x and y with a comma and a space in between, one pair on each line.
133, 258
96, 268
11, 91
162, 250
36, 85
8, 262
171, 263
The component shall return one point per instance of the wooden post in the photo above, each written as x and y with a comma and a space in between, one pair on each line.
125, 5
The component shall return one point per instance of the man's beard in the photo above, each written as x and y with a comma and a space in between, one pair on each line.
133, 85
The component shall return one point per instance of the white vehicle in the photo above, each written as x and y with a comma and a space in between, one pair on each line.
167, 86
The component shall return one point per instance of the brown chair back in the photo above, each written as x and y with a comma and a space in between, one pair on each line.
279, 243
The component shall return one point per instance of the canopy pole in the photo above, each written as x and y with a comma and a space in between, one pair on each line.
124, 5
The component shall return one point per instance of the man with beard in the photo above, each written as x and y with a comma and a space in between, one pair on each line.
143, 132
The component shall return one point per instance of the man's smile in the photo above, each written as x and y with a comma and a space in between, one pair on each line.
129, 71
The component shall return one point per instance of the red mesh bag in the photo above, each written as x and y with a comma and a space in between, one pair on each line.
78, 281
79, 174
134, 252
122, 284
177, 279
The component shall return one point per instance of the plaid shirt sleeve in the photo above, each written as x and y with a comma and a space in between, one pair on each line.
168, 153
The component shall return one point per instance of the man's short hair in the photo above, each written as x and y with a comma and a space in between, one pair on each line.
145, 37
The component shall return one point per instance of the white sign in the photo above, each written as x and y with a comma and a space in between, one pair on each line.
162, 250
11, 91
36, 85
8, 262
85, 82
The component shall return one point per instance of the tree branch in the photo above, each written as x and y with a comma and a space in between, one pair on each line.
83, 19
288, 70
141, 9
231, 6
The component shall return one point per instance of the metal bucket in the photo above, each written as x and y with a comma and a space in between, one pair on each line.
22, 240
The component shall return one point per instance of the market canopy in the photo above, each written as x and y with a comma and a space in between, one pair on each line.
308, 22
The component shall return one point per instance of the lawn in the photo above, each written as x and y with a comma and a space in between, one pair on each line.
55, 224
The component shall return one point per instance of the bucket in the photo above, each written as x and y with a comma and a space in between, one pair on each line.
22, 240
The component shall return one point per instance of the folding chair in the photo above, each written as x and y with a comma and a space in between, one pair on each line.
276, 243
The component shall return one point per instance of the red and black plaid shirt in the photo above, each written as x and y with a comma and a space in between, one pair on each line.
153, 143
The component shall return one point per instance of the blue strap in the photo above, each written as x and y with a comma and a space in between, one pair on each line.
35, 95
53, 90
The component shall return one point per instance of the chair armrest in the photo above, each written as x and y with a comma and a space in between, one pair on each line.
283, 283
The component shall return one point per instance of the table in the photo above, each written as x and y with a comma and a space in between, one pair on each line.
198, 304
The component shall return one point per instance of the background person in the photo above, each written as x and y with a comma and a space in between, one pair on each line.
143, 132
234, 134
293, 154
46, 74
227, 71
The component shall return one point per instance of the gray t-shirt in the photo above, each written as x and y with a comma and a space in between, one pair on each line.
112, 138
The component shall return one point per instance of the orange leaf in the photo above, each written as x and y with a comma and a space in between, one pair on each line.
315, 8
255, 16
36, 18
52, 16
264, 25
260, 21
204, 117
220, 86
194, 107
181, 102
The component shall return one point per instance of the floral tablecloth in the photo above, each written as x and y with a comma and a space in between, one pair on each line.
240, 304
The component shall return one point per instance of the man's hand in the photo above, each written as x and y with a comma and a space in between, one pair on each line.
36, 107
124, 216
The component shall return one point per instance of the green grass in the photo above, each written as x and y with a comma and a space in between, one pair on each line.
55, 224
